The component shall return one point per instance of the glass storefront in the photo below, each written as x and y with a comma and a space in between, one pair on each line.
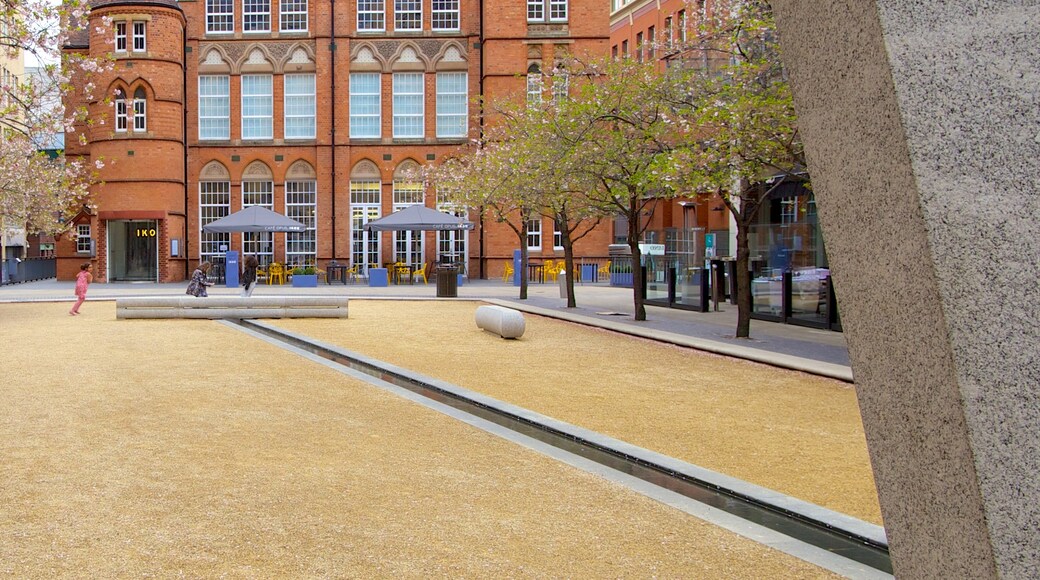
133, 251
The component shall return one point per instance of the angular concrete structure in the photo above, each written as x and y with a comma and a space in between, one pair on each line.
921, 121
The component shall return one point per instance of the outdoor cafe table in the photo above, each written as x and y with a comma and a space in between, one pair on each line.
336, 272
535, 270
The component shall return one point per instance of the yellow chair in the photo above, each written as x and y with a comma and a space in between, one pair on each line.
549, 270
420, 273
402, 271
275, 272
603, 271
507, 274
352, 273
261, 274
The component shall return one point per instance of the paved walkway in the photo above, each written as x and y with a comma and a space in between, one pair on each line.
816, 351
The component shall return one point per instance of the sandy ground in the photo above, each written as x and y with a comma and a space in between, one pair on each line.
784, 430
186, 448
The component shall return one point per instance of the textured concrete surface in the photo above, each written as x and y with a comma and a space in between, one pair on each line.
505, 322
922, 122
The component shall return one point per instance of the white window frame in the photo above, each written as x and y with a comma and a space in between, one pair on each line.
547, 10
299, 106
120, 35
257, 107
258, 192
444, 15
365, 205
561, 85
534, 233
557, 236
452, 123
362, 111
139, 30
371, 15
210, 102
140, 114
301, 204
558, 10
214, 203
121, 116
534, 88
535, 10
407, 15
256, 20
409, 245
290, 15
402, 99
83, 238
220, 22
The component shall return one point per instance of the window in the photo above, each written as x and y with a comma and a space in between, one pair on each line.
669, 32
408, 105
120, 105
120, 36
561, 85
139, 45
214, 203
301, 204
558, 10
452, 243
650, 39
259, 243
140, 121
364, 207
535, 10
557, 236
624, 48
214, 107
452, 104
83, 238
407, 14
220, 16
370, 15
408, 245
682, 26
256, 15
292, 16
257, 107
445, 15
639, 46
365, 121
534, 85
299, 106
534, 234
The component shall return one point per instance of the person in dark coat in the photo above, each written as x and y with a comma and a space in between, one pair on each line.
198, 284
249, 275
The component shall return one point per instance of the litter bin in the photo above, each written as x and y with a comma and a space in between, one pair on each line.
447, 281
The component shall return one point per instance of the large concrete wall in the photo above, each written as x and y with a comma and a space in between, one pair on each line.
921, 121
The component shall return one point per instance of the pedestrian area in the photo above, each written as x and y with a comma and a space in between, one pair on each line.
189, 447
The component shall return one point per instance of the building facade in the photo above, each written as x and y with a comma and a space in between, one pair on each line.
321, 111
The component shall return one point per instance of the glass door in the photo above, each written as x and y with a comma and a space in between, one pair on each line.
133, 251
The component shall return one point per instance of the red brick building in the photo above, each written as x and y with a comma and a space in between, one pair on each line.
655, 31
316, 110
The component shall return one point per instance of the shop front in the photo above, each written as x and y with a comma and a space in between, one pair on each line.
133, 250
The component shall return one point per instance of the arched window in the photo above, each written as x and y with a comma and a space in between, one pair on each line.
120, 110
140, 120
214, 203
534, 84
301, 204
365, 206
560, 84
258, 189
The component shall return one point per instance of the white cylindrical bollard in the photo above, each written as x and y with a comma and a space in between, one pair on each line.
562, 277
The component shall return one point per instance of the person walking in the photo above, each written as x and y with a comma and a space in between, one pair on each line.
249, 275
198, 284
83, 279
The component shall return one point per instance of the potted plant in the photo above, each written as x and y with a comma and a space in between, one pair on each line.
304, 277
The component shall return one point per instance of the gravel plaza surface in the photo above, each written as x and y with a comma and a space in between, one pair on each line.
189, 448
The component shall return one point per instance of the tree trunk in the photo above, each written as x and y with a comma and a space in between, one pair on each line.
568, 261
523, 263
639, 309
743, 282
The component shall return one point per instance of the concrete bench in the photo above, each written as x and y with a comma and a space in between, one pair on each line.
502, 321
232, 307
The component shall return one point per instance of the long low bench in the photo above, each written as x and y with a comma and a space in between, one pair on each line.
232, 307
